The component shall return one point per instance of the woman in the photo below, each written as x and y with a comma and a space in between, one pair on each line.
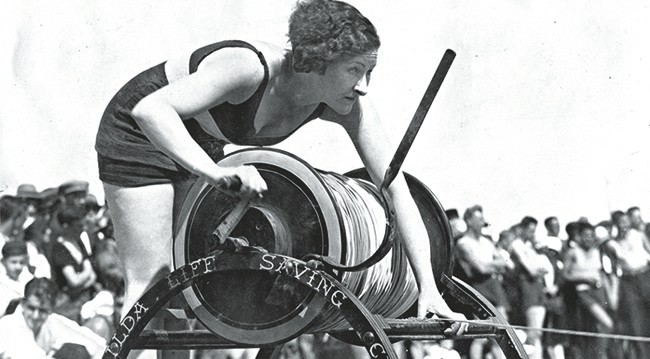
172, 121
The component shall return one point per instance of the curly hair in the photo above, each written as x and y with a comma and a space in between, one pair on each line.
324, 31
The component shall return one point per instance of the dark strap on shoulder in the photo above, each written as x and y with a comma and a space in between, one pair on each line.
203, 52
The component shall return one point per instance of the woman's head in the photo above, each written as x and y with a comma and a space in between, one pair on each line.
324, 31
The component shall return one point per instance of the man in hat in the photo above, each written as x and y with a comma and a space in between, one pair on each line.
27, 190
28, 194
74, 192
12, 217
39, 234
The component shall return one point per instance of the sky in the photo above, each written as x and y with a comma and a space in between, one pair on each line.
544, 110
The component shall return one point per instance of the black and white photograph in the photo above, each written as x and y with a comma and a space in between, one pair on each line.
307, 179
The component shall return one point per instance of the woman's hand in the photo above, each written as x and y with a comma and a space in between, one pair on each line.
431, 305
240, 181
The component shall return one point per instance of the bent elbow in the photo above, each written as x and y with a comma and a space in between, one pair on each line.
142, 110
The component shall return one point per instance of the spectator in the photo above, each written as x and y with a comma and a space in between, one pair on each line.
458, 226
531, 268
572, 233
503, 246
583, 272
12, 217
480, 260
30, 198
101, 314
631, 249
71, 265
33, 331
38, 235
553, 248
552, 239
74, 193
635, 217
14, 277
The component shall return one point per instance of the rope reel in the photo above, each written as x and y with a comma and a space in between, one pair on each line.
305, 211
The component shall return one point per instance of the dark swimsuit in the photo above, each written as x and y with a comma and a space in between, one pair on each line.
127, 158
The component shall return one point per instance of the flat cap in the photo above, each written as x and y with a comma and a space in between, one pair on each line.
73, 187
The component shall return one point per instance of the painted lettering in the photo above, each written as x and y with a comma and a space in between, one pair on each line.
114, 349
376, 350
327, 286
139, 309
210, 264
195, 267
172, 281
338, 302
311, 279
282, 266
128, 323
298, 275
268, 260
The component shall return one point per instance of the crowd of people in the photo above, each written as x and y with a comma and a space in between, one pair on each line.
60, 280
61, 283
594, 280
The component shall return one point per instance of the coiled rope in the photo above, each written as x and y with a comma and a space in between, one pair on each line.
388, 287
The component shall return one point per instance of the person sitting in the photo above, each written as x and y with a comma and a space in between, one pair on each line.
15, 276
34, 332
101, 314
71, 265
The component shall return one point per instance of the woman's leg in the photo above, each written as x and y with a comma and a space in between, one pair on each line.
142, 217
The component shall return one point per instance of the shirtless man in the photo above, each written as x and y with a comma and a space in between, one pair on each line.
632, 251
481, 262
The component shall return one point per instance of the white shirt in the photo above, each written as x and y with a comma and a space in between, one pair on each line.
56, 331
17, 340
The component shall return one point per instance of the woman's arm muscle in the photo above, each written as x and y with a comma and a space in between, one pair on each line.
231, 76
367, 134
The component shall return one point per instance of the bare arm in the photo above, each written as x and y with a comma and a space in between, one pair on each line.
232, 75
365, 130
469, 255
529, 262
83, 279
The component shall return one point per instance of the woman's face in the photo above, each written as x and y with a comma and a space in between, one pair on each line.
345, 80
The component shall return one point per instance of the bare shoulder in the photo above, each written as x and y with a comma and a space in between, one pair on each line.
243, 67
273, 54
464, 244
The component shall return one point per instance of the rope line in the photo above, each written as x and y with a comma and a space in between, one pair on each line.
552, 330
388, 287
